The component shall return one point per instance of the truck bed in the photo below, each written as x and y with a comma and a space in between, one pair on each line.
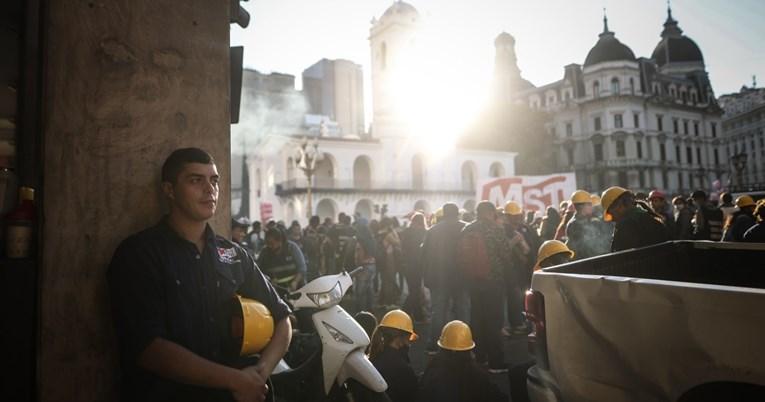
728, 264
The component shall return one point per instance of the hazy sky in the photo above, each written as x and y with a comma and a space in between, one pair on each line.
289, 35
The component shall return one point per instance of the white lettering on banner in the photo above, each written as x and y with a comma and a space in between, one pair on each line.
535, 193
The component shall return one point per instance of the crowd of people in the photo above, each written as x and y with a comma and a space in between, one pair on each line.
475, 266
464, 271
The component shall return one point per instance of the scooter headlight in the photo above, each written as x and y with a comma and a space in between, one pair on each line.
326, 299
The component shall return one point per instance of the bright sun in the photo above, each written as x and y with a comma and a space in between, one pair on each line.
433, 96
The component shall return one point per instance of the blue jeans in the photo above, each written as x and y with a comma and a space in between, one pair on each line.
443, 302
362, 288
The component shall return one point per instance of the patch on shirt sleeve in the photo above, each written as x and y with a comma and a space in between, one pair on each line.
227, 255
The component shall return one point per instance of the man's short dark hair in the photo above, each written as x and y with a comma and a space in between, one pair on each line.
699, 194
451, 210
180, 157
726, 198
484, 206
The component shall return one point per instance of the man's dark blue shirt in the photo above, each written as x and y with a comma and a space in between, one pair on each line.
162, 287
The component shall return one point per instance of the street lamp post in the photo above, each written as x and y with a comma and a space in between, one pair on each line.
306, 157
739, 165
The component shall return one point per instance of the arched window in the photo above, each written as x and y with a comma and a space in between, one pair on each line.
324, 174
363, 208
326, 208
468, 176
362, 172
418, 173
496, 170
596, 89
383, 56
615, 87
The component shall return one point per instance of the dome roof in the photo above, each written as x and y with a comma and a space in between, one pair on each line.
503, 38
400, 9
674, 50
675, 47
608, 48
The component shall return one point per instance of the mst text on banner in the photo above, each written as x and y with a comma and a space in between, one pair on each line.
534, 193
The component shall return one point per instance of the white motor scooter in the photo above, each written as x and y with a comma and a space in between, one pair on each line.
344, 372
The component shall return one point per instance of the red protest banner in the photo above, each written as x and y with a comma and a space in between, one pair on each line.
534, 193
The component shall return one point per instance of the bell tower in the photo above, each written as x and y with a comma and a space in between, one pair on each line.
391, 39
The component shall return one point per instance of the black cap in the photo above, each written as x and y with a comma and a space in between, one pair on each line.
699, 194
241, 222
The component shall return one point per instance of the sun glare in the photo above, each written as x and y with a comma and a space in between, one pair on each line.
434, 96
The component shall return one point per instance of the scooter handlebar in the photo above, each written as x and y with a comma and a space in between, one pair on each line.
356, 270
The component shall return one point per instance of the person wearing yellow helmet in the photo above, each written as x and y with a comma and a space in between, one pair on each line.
389, 352
587, 235
636, 226
741, 220
756, 234
524, 241
170, 286
551, 253
453, 375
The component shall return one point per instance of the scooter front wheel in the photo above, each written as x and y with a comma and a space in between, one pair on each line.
359, 393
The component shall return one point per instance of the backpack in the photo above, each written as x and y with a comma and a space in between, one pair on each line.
473, 256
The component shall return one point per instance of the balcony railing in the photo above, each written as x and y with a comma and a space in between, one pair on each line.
330, 184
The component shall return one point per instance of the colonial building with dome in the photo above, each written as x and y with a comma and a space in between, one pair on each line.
637, 122
359, 172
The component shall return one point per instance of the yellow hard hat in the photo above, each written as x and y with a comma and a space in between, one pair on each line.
456, 336
745, 201
608, 197
513, 208
551, 248
398, 319
439, 213
595, 199
251, 323
580, 197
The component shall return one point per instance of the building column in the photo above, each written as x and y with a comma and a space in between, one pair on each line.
125, 83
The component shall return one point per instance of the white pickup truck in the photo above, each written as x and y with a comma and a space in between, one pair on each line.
680, 321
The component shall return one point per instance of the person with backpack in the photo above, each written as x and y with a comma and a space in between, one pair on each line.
448, 291
483, 253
